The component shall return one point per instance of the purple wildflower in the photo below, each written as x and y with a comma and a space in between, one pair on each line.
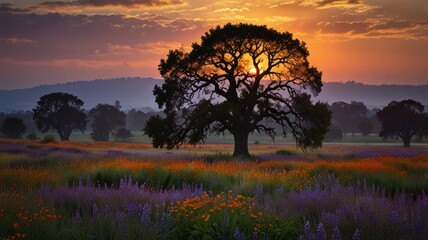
94, 210
145, 218
336, 233
237, 235
357, 235
321, 234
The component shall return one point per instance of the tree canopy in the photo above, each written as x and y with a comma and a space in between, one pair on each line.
61, 112
13, 127
122, 135
105, 120
236, 77
346, 116
403, 119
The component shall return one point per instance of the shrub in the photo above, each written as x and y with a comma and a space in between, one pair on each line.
333, 134
13, 127
122, 135
285, 152
48, 139
32, 136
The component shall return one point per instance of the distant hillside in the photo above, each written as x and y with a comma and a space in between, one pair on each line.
373, 95
131, 92
138, 93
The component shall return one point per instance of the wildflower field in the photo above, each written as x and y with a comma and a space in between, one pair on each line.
130, 191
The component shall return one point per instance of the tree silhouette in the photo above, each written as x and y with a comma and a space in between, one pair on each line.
347, 115
365, 126
333, 134
122, 135
236, 77
61, 112
105, 119
403, 119
13, 127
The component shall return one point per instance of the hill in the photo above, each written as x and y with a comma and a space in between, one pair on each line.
131, 92
138, 93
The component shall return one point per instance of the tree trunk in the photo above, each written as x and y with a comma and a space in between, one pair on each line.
63, 136
241, 144
406, 141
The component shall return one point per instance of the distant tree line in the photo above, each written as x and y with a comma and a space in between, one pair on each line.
63, 114
405, 120
352, 118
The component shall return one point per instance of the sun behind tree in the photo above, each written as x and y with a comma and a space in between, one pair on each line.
213, 89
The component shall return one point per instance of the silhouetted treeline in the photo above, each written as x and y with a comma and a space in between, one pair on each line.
26, 116
353, 118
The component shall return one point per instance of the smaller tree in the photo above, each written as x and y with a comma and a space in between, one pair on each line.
365, 126
123, 135
13, 127
61, 112
347, 115
105, 120
333, 134
403, 119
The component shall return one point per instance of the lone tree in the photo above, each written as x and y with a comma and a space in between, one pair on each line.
13, 127
105, 119
236, 77
403, 119
61, 112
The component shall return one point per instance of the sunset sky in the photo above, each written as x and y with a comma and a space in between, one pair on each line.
45, 42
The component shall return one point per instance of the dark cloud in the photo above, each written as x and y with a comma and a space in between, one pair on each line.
104, 3
58, 36
9, 7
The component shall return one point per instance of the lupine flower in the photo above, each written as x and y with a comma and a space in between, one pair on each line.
237, 235
357, 235
336, 233
94, 210
321, 234
146, 221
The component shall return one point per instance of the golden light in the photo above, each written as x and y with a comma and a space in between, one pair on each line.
253, 71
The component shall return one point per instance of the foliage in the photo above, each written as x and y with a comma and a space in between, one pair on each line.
123, 135
61, 112
236, 77
13, 127
347, 115
136, 119
333, 134
365, 126
285, 152
403, 119
105, 119
26, 116
199, 217
48, 139
32, 136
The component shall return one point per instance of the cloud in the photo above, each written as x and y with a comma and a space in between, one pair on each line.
372, 28
280, 19
58, 5
10, 7
244, 9
15, 40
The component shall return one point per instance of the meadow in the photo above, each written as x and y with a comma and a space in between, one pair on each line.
87, 190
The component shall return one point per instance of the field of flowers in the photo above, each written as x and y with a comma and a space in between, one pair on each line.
129, 191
